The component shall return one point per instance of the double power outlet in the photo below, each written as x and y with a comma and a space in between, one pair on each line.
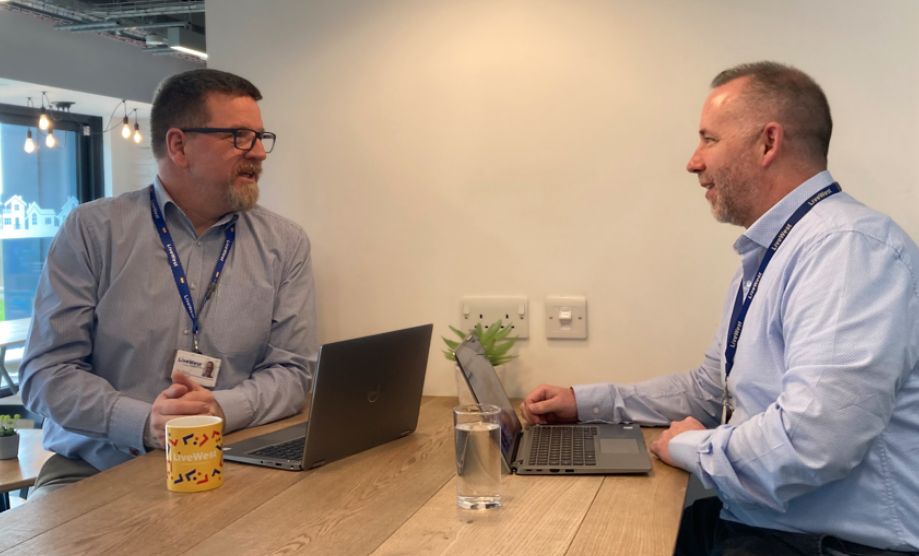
565, 316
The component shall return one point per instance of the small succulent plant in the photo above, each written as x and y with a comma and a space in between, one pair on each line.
494, 339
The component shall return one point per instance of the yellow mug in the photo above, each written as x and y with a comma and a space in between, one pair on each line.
194, 460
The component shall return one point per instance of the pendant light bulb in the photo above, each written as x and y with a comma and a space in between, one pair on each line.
137, 136
30, 144
43, 122
125, 128
50, 141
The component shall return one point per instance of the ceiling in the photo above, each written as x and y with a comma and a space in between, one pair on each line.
16, 93
148, 24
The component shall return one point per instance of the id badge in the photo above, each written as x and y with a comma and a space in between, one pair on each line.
198, 367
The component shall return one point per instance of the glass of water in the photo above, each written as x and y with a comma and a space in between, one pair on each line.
477, 433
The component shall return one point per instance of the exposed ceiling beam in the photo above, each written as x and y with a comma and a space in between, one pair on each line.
147, 8
105, 27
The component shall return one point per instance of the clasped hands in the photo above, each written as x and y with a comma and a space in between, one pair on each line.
184, 397
554, 404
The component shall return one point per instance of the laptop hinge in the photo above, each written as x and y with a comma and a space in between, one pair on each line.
319, 463
405, 433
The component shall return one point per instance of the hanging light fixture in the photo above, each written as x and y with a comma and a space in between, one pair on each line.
50, 141
125, 127
137, 136
43, 121
30, 144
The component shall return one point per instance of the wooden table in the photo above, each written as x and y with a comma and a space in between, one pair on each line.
12, 332
399, 498
21, 472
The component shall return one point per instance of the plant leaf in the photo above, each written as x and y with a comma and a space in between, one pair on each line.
504, 333
450, 343
492, 331
502, 349
458, 332
449, 356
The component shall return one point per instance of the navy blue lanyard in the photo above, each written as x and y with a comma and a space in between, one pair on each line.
741, 303
172, 255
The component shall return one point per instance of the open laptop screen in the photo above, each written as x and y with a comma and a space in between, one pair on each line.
486, 388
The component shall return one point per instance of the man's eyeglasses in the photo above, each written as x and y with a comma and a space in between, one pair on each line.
243, 139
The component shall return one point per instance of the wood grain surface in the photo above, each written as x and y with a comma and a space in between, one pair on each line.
398, 498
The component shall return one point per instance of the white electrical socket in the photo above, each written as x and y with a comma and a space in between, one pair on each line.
566, 316
510, 310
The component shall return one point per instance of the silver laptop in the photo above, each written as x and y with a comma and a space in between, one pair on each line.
551, 449
366, 392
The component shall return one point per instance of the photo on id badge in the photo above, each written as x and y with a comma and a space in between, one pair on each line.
198, 367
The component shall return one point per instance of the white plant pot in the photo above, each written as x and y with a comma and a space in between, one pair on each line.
9, 447
463, 394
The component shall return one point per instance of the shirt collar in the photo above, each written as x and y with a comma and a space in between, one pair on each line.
764, 230
164, 199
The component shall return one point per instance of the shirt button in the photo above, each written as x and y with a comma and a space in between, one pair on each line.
185, 332
193, 286
198, 243
596, 410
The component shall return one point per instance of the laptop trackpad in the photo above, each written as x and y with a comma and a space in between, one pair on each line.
618, 446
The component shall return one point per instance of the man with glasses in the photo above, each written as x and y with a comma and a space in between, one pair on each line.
186, 274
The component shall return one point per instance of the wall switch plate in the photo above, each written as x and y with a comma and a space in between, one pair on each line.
510, 310
566, 316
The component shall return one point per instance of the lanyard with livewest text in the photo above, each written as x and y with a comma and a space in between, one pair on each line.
742, 304
172, 255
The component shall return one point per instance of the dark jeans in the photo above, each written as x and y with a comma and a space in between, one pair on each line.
704, 533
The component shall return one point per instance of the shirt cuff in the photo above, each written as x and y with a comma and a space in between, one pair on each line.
235, 408
685, 449
128, 423
594, 403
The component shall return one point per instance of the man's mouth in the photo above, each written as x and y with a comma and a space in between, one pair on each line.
248, 173
708, 185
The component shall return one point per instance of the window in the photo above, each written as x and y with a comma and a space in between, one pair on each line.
55, 178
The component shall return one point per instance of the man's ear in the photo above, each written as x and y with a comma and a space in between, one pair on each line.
177, 147
773, 140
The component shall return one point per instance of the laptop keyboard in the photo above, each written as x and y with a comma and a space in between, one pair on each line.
563, 446
292, 450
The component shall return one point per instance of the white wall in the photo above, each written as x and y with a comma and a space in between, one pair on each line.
437, 149
33, 52
132, 166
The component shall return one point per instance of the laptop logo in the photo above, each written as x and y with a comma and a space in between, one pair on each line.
374, 393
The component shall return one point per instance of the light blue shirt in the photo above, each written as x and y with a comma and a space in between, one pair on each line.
108, 320
825, 434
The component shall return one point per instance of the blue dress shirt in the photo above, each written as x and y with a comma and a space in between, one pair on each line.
825, 432
108, 320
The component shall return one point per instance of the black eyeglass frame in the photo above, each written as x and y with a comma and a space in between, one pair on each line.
235, 131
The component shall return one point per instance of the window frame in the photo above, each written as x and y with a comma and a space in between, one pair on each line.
89, 153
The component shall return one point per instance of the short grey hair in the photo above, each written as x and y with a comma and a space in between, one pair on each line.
790, 97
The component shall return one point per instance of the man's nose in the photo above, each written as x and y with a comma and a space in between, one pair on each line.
695, 164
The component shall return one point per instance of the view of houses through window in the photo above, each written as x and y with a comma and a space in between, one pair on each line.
37, 192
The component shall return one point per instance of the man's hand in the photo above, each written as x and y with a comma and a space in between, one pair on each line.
184, 397
661, 446
550, 404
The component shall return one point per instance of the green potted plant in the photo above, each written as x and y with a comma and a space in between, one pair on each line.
9, 438
495, 342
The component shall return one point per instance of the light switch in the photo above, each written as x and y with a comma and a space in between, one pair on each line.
566, 317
